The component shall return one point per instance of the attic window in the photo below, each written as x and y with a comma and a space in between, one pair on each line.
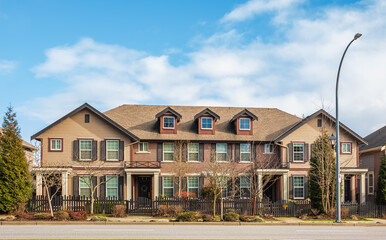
245, 124
319, 122
87, 118
168, 122
206, 123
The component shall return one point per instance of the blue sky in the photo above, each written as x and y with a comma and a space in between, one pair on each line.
56, 55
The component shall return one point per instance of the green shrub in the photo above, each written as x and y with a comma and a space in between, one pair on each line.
231, 217
24, 216
98, 219
188, 217
42, 216
119, 211
244, 218
169, 211
207, 218
256, 219
62, 216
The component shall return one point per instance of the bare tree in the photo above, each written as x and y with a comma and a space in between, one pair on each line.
51, 182
181, 166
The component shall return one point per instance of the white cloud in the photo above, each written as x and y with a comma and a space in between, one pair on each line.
293, 75
7, 66
254, 7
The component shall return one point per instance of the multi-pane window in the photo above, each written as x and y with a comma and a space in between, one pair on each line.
298, 187
193, 184
193, 152
221, 152
298, 151
85, 148
245, 186
206, 123
168, 152
143, 147
56, 144
245, 152
371, 183
112, 147
222, 182
112, 186
168, 122
346, 147
84, 186
268, 148
168, 186
245, 124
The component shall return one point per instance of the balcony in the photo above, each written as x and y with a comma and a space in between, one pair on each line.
143, 164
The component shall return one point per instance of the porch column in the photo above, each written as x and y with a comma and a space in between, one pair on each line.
39, 184
260, 185
342, 187
285, 186
64, 184
156, 185
362, 188
353, 189
128, 186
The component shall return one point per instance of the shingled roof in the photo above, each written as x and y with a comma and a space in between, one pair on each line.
139, 120
375, 139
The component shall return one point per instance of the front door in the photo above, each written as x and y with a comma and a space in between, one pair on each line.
144, 187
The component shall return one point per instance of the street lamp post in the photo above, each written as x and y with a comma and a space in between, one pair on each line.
337, 145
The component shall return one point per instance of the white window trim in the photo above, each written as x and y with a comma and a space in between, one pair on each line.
56, 139
80, 150
202, 124
368, 183
112, 160
245, 129
269, 145
198, 186
163, 153
198, 153
163, 185
293, 152
226, 153
174, 122
350, 147
116, 187
241, 159
298, 187
250, 185
83, 176
139, 147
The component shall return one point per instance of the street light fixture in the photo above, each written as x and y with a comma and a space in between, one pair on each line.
332, 140
337, 147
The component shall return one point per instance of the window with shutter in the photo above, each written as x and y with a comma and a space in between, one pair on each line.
245, 152
193, 149
221, 152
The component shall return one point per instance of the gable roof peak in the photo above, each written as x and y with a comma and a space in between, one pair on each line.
209, 112
244, 112
171, 111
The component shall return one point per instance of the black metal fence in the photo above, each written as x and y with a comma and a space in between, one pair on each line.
145, 206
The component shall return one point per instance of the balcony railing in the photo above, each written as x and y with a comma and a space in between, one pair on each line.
143, 164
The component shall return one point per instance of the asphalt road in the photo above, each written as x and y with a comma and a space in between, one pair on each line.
188, 232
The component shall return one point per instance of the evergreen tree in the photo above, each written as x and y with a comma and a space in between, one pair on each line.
380, 195
15, 184
322, 175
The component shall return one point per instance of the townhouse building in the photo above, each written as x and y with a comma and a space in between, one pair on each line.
135, 146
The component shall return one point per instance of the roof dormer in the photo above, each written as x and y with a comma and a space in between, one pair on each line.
244, 122
168, 119
206, 121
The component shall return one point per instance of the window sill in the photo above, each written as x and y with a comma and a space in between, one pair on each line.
298, 162
85, 160
112, 160
142, 152
244, 162
169, 161
222, 161
269, 153
194, 162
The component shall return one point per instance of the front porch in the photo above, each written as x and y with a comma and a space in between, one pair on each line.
353, 185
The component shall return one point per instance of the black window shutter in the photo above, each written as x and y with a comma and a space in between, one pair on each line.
229, 154
175, 185
306, 152
102, 187
230, 187
184, 154
291, 187
75, 186
201, 185
236, 187
120, 187
290, 152
213, 152
201, 152
160, 185
103, 151
312, 150
94, 183
237, 152
305, 187
94, 150
254, 150
75, 150
121, 150
184, 186
159, 152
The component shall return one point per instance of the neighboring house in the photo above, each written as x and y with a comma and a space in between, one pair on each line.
29, 150
370, 158
134, 145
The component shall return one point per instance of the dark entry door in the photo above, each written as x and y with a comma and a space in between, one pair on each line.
144, 187
347, 190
